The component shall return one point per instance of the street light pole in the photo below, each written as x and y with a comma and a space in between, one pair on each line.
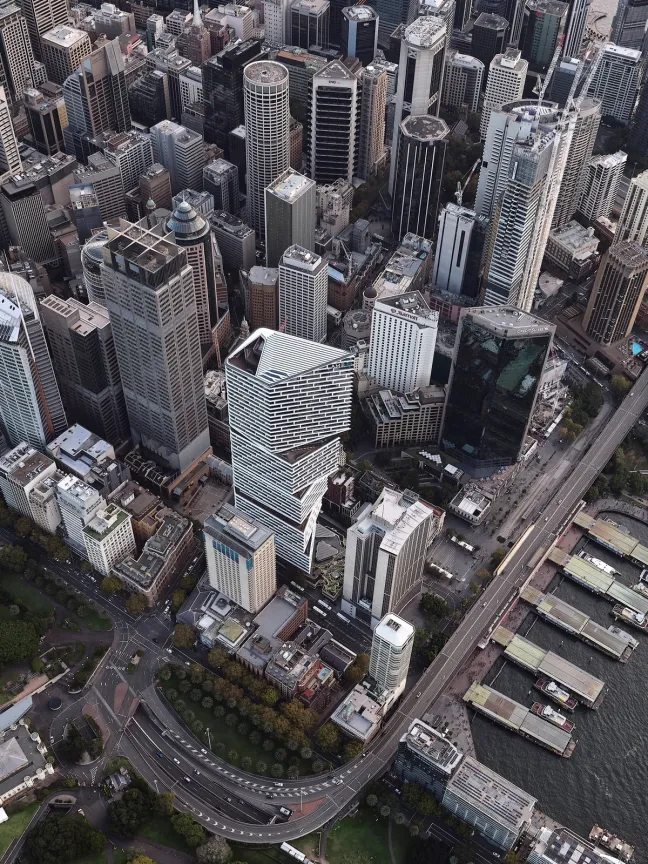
208, 738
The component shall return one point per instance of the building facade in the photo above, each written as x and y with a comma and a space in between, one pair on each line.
303, 289
617, 293
290, 215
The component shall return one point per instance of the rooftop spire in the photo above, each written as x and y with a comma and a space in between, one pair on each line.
197, 20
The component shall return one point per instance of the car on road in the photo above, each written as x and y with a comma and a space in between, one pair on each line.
187, 780
227, 798
160, 754
418, 695
177, 761
196, 771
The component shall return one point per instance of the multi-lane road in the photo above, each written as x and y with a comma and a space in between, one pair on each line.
334, 797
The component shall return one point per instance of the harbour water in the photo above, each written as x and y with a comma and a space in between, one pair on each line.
606, 779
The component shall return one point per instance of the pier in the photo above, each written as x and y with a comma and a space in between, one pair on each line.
613, 537
578, 624
587, 689
598, 582
491, 703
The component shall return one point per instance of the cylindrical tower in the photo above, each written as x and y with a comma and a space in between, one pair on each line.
267, 133
91, 261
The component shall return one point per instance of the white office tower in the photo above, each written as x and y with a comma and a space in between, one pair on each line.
456, 225
289, 400
391, 651
276, 18
503, 132
616, 81
241, 560
505, 83
586, 124
41, 16
420, 76
109, 538
332, 129
633, 222
31, 409
303, 288
462, 81
371, 134
601, 185
21, 469
158, 352
9, 154
403, 337
132, 153
267, 133
576, 24
523, 215
385, 554
79, 504
629, 24
290, 204
182, 153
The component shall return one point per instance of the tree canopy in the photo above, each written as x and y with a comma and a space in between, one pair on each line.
57, 839
18, 641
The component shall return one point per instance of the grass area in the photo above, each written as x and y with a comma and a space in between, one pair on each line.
15, 826
92, 859
160, 830
94, 621
269, 855
366, 832
231, 738
25, 593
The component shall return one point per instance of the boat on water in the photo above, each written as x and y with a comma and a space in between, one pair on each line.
637, 619
606, 840
600, 565
556, 694
641, 588
552, 716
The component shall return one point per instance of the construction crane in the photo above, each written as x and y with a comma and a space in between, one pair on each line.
550, 71
462, 188
591, 72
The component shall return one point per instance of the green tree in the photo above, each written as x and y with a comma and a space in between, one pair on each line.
24, 527
261, 767
13, 558
164, 804
433, 605
217, 657
620, 386
385, 810
216, 850
188, 828
18, 641
372, 800
351, 750
136, 604
270, 696
183, 636
177, 599
111, 585
328, 738
57, 839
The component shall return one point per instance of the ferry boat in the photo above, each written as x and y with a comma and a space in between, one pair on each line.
556, 693
551, 716
624, 851
643, 577
600, 565
622, 613
641, 588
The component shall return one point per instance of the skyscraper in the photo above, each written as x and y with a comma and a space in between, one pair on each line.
629, 24
25, 218
96, 99
638, 137
542, 26
181, 151
420, 76
309, 23
462, 81
83, 351
460, 243
633, 222
498, 360
276, 14
332, 128
600, 185
63, 50
575, 30
240, 555
489, 39
131, 152
385, 554
525, 210
303, 287
391, 13
41, 16
391, 651
371, 132
106, 181
91, 261
403, 336
30, 403
419, 175
580, 152
158, 355
618, 290
220, 177
616, 81
47, 117
267, 140
9, 154
194, 41
359, 33
290, 215
18, 70
193, 234
289, 400
506, 77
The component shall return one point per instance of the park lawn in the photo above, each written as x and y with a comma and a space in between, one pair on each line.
91, 859
94, 621
161, 831
230, 737
15, 826
365, 832
119, 856
25, 593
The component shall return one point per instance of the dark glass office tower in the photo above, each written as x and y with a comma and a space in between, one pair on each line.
499, 357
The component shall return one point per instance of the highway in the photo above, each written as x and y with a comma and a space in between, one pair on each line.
380, 753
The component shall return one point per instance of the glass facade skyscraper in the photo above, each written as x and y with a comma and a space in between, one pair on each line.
500, 354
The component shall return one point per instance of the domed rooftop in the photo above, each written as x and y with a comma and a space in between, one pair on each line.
185, 222
92, 249
370, 292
